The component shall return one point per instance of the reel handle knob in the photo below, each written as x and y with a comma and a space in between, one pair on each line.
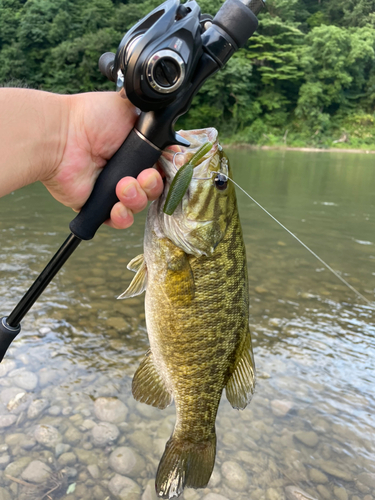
106, 65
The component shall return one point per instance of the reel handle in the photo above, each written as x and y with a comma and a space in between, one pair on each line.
135, 154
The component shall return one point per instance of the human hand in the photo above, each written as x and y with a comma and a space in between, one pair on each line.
94, 128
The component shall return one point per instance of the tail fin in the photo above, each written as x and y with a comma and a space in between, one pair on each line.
184, 464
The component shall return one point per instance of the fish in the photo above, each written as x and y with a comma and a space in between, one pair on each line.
194, 272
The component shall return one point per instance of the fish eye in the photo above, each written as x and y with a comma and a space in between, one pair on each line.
221, 182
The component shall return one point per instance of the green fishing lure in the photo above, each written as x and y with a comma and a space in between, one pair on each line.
182, 180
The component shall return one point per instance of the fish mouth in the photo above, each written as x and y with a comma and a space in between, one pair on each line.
175, 156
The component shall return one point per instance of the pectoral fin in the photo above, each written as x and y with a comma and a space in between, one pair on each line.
148, 386
136, 263
241, 385
139, 282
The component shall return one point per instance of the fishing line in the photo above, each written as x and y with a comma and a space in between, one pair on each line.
302, 243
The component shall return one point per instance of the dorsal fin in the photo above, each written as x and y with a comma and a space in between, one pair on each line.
139, 282
241, 385
148, 386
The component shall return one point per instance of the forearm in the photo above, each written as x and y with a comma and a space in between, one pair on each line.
33, 125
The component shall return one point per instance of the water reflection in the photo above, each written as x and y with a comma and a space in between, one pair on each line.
311, 423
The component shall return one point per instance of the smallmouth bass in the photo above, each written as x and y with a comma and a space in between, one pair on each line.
194, 272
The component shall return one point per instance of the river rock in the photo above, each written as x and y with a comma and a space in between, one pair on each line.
104, 433
119, 324
4, 495
36, 407
94, 471
332, 469
234, 476
191, 494
340, 492
149, 492
148, 411
273, 494
7, 420
214, 479
318, 476
14, 439
10, 393
367, 478
142, 442
214, 496
309, 438
324, 492
126, 461
280, 407
28, 443
4, 461
15, 468
294, 493
47, 435
54, 410
61, 448
36, 472
110, 410
124, 488
72, 435
68, 458
24, 379
6, 366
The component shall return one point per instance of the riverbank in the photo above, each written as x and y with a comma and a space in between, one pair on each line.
240, 145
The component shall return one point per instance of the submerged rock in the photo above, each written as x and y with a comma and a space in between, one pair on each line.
36, 407
234, 476
24, 379
47, 435
318, 476
294, 493
36, 472
281, 407
367, 478
110, 410
104, 433
4, 495
7, 420
214, 496
309, 438
124, 488
126, 461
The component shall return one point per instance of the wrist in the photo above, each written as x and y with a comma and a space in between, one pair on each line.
33, 131
56, 111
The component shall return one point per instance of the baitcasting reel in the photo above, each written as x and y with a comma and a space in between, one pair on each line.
160, 65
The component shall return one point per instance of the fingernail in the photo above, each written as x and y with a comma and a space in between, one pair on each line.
130, 192
151, 182
123, 212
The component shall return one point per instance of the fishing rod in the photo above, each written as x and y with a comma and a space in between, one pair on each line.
160, 65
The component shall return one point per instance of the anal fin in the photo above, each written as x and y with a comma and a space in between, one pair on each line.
139, 282
148, 386
241, 385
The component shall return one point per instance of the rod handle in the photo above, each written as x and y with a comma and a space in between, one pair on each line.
7, 335
135, 154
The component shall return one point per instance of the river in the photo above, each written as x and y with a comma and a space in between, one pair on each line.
309, 430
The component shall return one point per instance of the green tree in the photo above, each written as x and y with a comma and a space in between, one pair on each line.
337, 64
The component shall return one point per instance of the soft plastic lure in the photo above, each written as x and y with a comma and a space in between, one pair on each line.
182, 180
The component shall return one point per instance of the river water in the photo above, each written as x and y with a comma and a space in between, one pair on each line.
309, 430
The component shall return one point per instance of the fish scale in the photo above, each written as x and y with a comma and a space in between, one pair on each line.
197, 315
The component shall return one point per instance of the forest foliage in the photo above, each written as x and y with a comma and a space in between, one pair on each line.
307, 77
